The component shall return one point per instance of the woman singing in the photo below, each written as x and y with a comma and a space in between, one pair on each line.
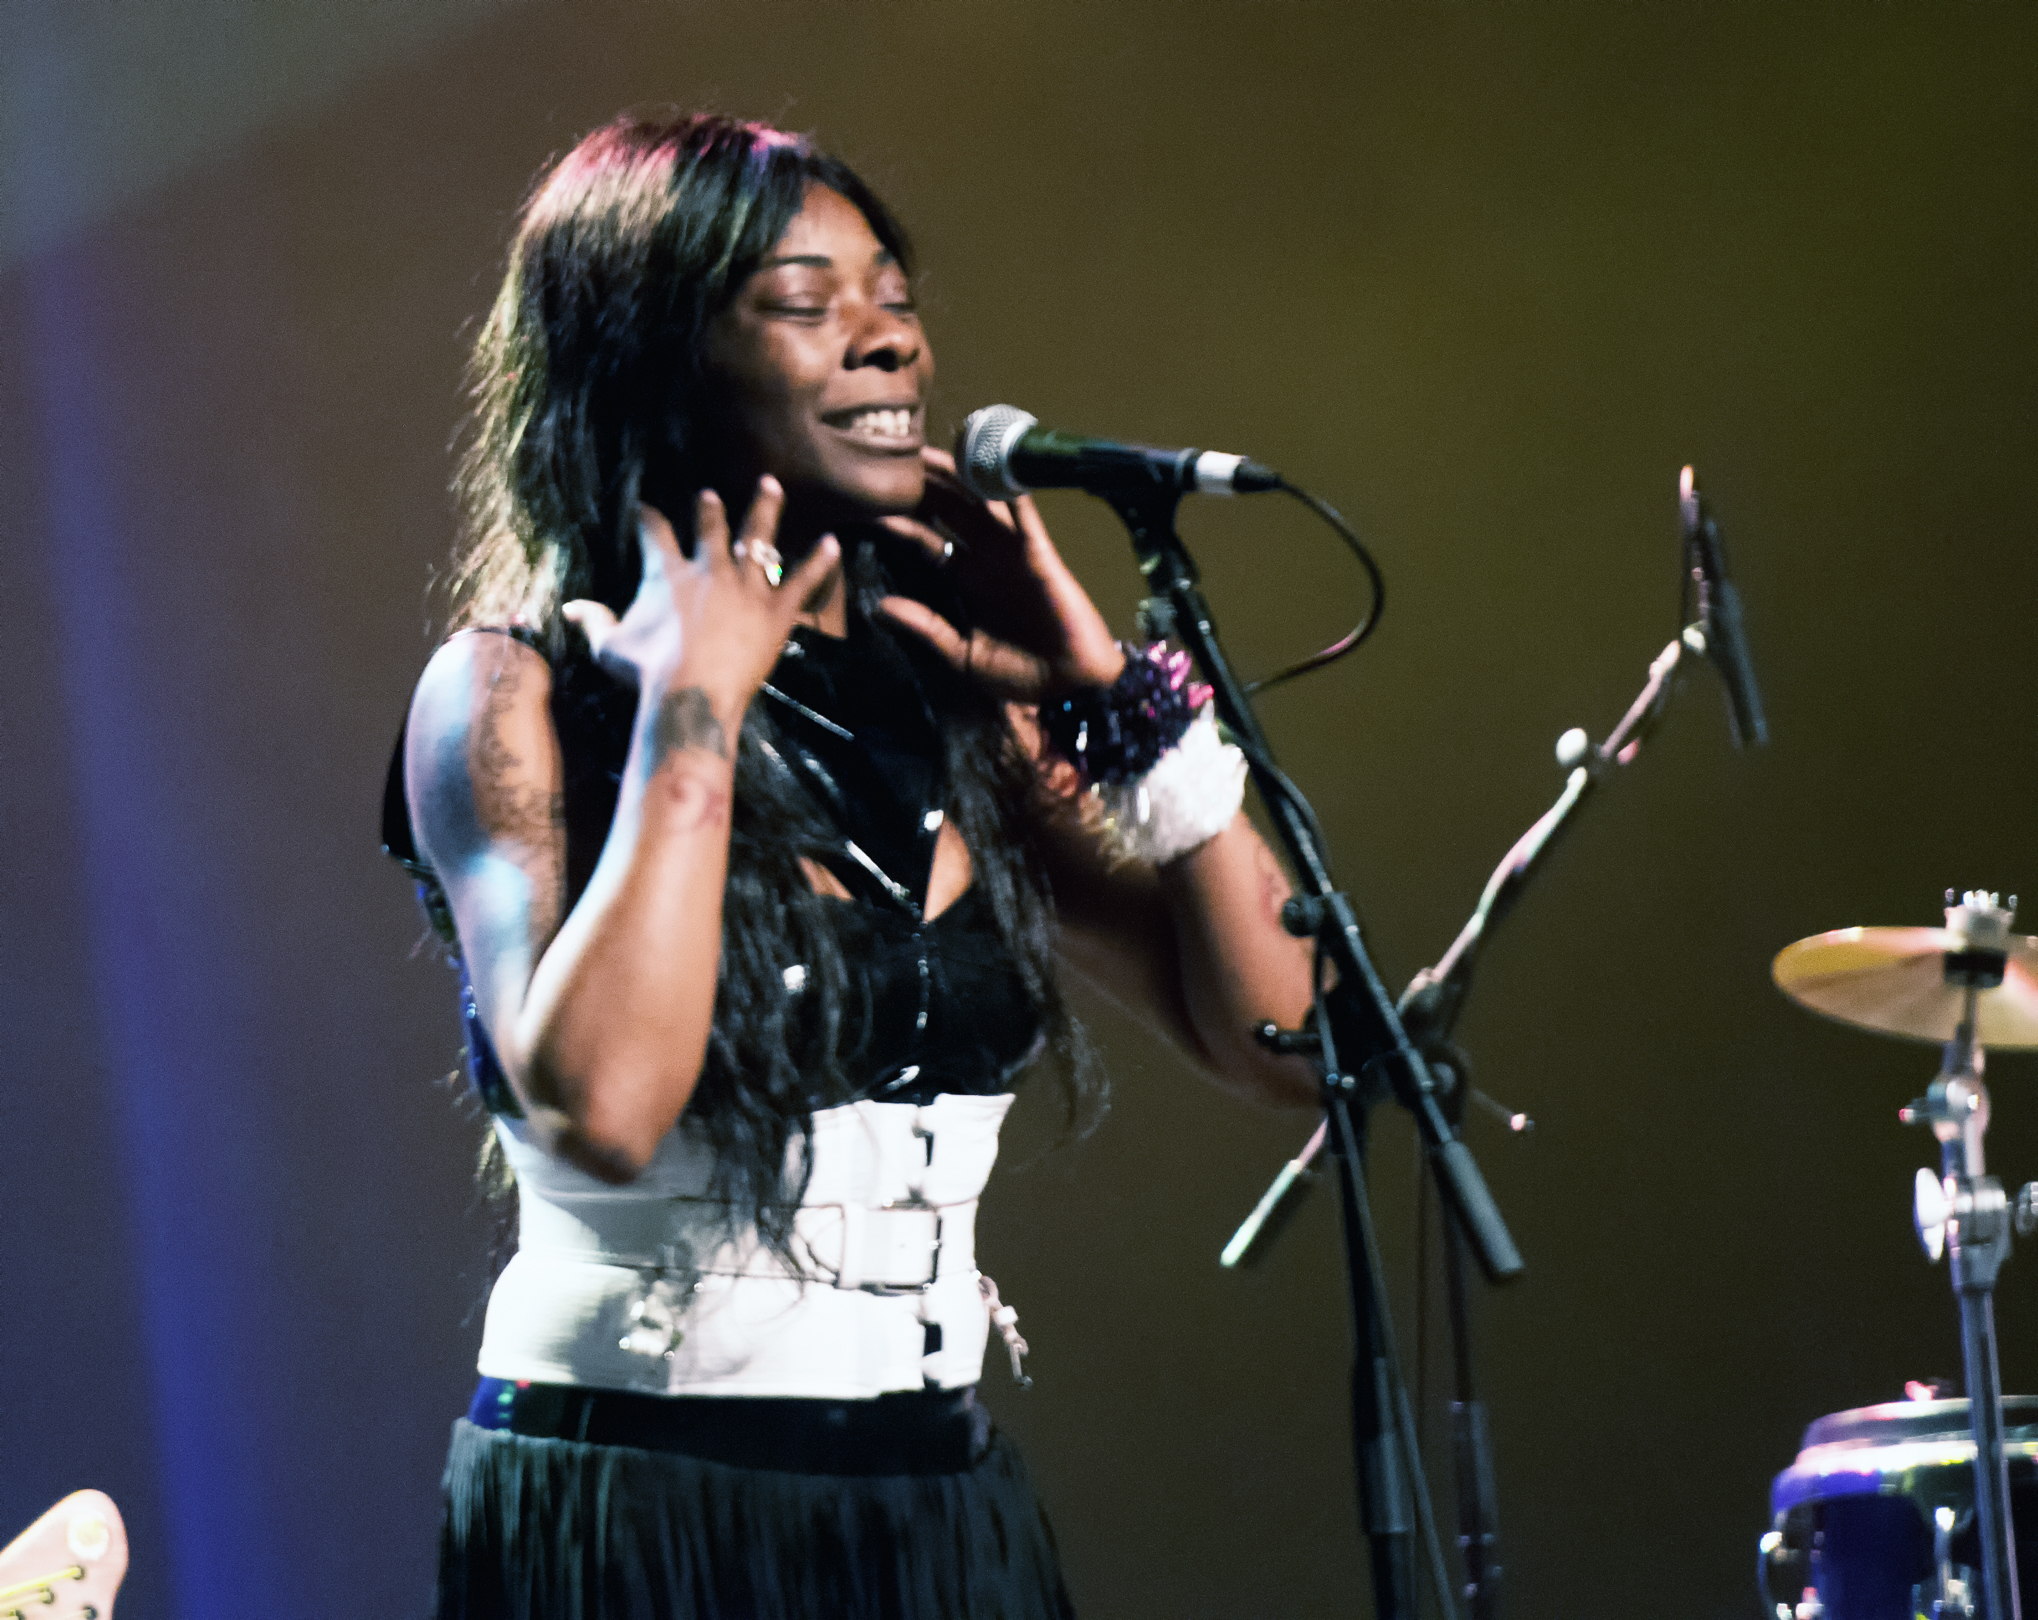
754, 793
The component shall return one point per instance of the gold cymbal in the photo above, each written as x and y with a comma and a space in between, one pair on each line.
1894, 980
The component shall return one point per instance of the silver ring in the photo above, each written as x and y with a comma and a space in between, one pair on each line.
947, 552
766, 556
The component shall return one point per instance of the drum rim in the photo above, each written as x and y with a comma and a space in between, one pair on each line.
1892, 1422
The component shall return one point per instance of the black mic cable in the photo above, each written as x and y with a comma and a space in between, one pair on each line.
1003, 452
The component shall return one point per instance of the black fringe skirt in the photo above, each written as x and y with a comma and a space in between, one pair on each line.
907, 1508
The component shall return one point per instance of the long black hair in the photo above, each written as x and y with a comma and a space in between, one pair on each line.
589, 381
591, 396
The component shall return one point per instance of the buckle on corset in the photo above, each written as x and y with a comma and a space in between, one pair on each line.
894, 1249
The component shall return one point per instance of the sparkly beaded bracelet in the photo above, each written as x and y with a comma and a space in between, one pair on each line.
1148, 747
1117, 733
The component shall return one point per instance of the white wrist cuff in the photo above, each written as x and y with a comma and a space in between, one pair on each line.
1188, 798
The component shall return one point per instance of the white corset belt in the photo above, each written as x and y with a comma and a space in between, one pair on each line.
886, 1237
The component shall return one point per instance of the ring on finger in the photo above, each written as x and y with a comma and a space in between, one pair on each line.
766, 556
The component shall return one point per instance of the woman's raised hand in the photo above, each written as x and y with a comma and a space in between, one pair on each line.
1037, 631
717, 621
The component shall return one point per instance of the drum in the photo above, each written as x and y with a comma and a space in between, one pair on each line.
1875, 1519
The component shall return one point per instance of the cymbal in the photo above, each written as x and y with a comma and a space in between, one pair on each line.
1894, 980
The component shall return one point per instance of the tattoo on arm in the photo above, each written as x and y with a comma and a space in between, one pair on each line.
491, 756
528, 817
1275, 889
701, 804
513, 809
686, 719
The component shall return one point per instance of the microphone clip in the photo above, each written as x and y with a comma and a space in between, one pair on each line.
1722, 636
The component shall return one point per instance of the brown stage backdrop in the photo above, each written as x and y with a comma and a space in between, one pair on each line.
1486, 276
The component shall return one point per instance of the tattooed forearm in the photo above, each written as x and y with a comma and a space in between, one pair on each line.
686, 719
701, 804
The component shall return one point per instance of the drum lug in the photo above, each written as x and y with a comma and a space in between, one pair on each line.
1783, 1574
1955, 1582
2026, 1214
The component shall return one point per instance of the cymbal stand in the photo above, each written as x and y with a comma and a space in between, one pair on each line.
1965, 1214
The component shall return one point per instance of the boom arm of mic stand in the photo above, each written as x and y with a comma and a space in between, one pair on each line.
1431, 1003
1429, 1007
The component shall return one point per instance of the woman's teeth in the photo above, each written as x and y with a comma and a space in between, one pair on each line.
881, 424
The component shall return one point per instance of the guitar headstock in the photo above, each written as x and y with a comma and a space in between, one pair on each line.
68, 1564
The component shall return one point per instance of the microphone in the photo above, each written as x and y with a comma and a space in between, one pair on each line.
1002, 452
1719, 612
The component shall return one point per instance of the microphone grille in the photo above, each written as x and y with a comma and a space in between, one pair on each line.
984, 447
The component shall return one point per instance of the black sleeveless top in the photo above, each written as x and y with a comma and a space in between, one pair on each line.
937, 1005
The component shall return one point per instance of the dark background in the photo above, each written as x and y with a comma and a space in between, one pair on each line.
1486, 276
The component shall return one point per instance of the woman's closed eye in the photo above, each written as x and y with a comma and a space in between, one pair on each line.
892, 291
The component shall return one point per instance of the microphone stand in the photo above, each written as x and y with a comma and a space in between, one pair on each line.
1430, 1007
1429, 1010
1363, 1054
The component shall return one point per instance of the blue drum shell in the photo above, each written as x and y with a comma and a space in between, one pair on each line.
1857, 1505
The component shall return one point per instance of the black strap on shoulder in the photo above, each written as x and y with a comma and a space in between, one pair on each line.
398, 842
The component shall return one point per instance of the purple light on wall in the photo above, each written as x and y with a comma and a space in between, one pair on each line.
166, 920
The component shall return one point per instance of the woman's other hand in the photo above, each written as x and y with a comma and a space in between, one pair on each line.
1037, 631
716, 621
